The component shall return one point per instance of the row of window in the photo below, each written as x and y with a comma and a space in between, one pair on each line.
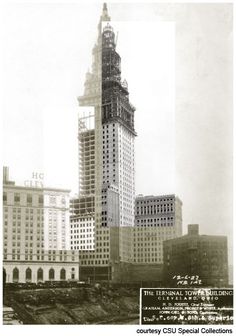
86, 247
17, 198
94, 262
151, 260
40, 274
29, 199
168, 224
94, 256
154, 200
38, 257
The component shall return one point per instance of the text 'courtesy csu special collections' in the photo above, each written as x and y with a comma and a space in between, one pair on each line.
185, 331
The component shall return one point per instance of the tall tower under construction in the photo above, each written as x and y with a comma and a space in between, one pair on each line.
106, 149
106, 163
117, 138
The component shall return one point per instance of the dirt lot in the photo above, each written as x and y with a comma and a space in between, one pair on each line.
87, 305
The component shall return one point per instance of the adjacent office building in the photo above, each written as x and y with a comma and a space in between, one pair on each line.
82, 225
36, 244
204, 256
157, 218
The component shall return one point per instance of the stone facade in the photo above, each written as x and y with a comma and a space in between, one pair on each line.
204, 256
36, 234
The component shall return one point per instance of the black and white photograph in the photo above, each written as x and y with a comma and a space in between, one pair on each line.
117, 160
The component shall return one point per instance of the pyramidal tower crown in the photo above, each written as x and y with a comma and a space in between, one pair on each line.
105, 16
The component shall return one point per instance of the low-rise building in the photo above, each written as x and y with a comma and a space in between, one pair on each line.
204, 256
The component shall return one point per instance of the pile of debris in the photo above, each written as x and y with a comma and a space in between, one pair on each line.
10, 317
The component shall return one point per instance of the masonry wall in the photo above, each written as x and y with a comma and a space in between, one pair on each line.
71, 271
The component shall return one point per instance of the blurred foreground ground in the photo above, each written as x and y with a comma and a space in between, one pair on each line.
102, 304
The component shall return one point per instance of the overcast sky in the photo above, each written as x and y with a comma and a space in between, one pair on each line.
177, 60
45, 69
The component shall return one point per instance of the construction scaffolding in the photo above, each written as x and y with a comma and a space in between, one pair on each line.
82, 207
115, 96
86, 139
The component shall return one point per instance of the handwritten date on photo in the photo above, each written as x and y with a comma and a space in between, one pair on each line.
186, 306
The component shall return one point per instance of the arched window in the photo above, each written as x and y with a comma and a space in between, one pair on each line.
4, 277
28, 275
73, 273
51, 274
40, 274
63, 274
15, 275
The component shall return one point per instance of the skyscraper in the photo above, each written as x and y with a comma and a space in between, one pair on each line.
103, 230
106, 154
107, 151
118, 135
